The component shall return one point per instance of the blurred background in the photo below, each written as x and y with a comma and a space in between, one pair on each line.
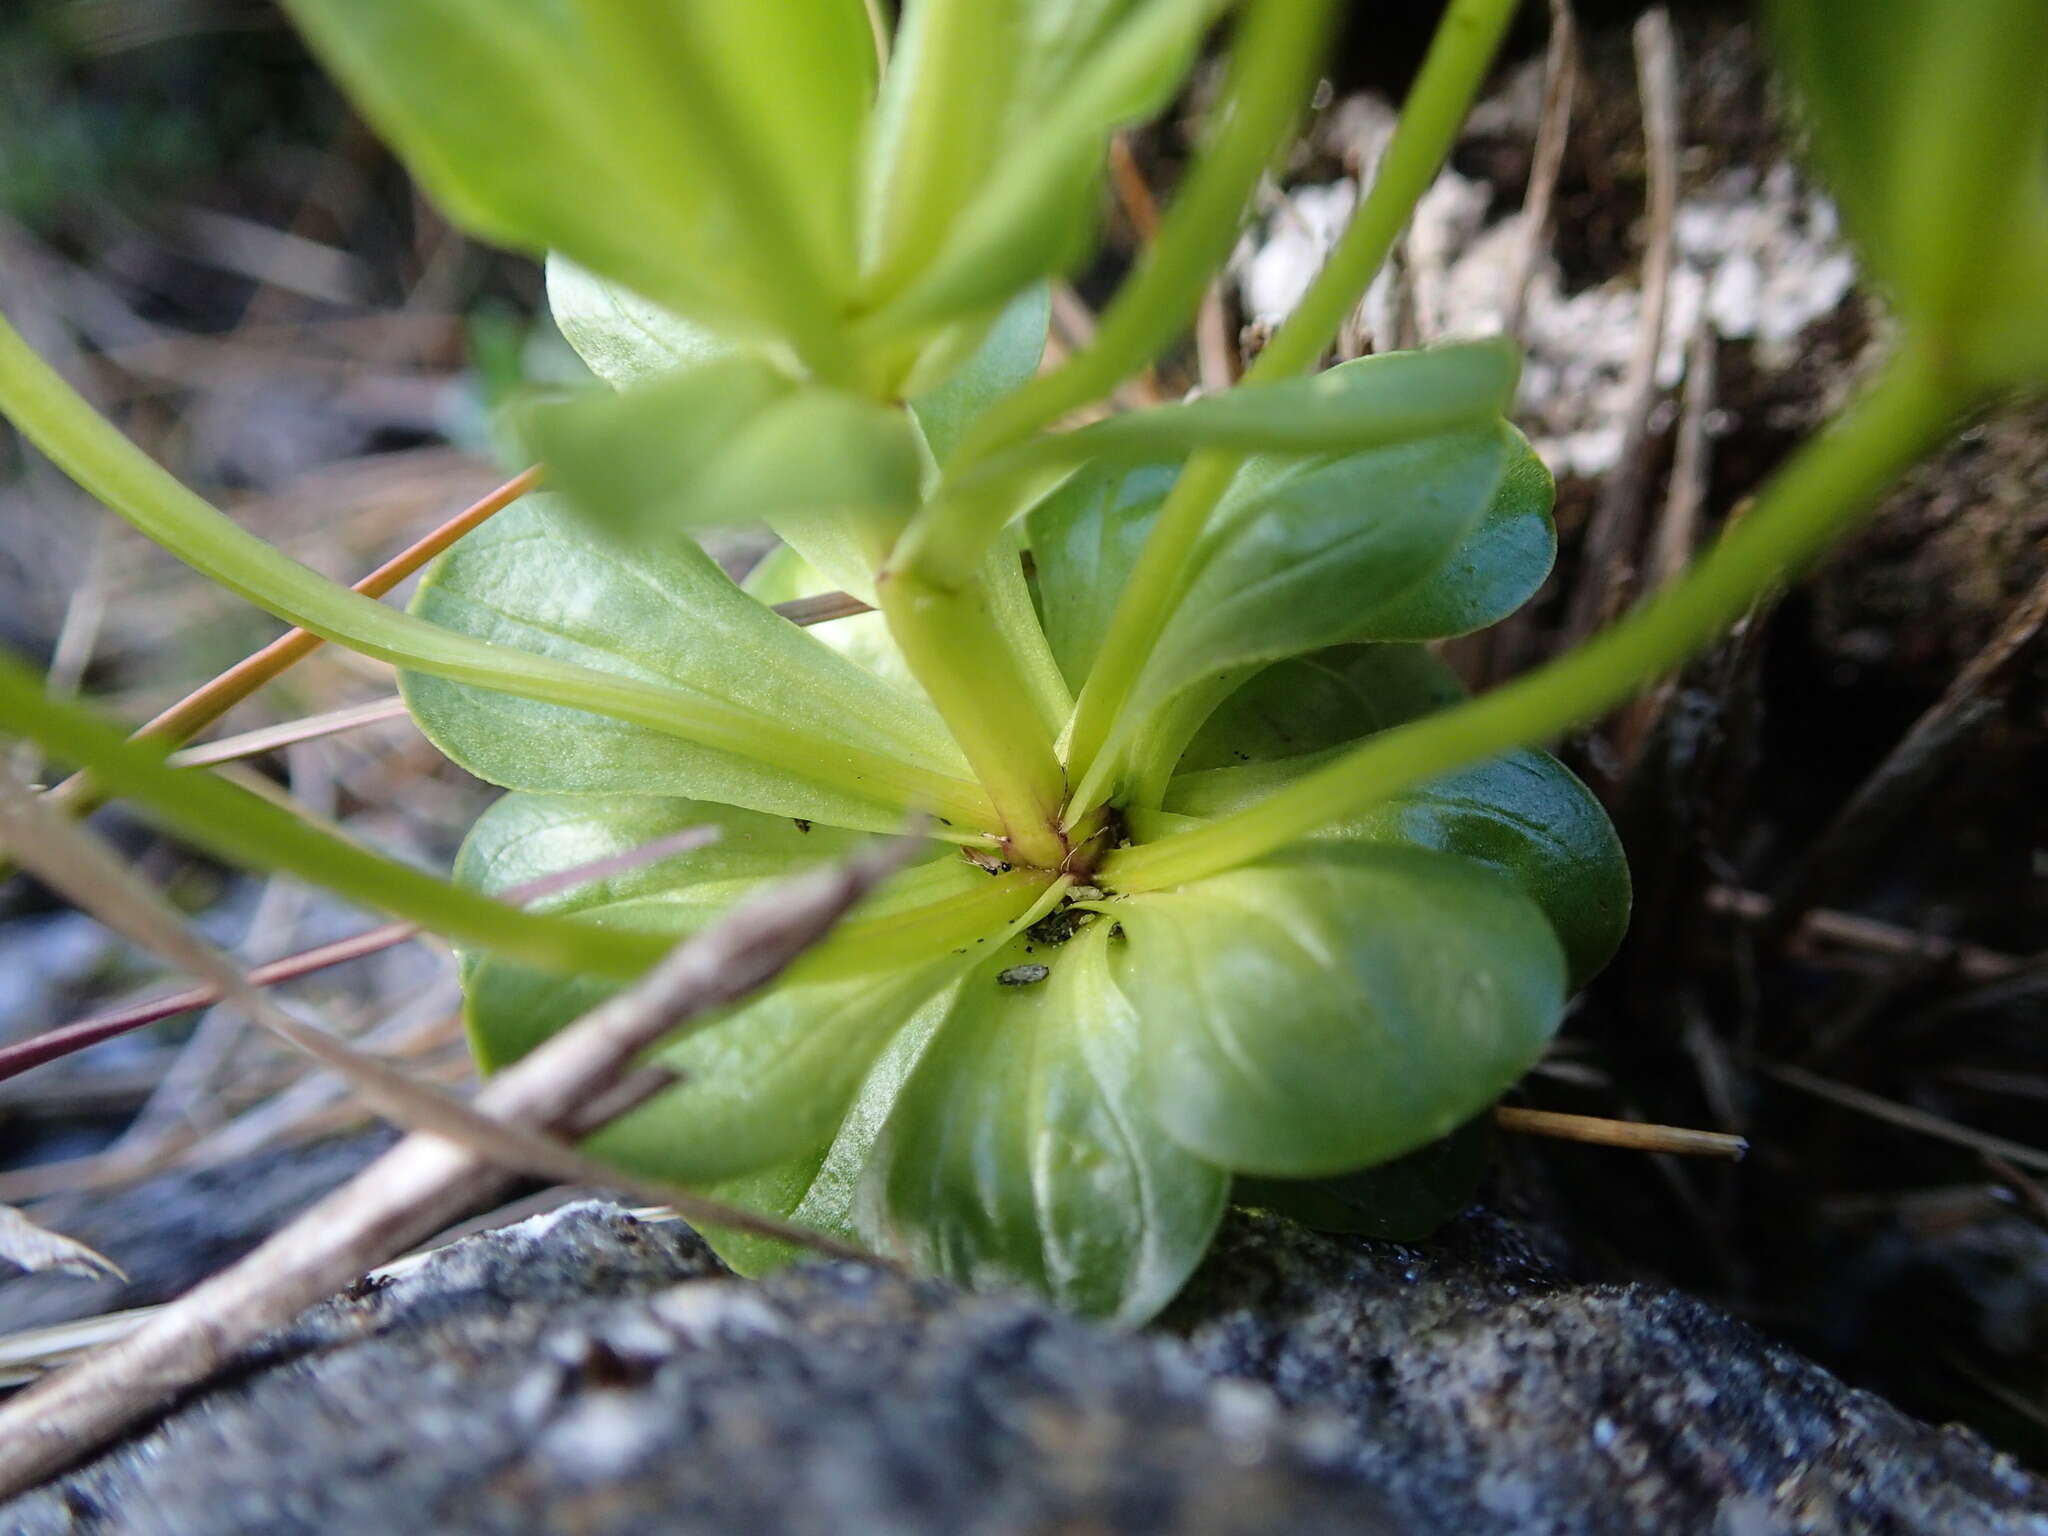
1835, 820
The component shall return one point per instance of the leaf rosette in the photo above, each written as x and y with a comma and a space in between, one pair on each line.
1024, 1075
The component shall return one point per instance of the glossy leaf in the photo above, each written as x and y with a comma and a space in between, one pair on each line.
1085, 538
1335, 1006
1495, 570
1324, 699
1403, 1201
530, 579
1524, 813
1021, 1151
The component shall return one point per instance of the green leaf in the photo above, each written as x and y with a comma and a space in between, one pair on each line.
855, 751
775, 1079
1324, 699
1085, 538
819, 1189
1007, 356
1416, 988
1398, 1202
57, 420
1021, 1152
1492, 573
257, 834
624, 339
1524, 814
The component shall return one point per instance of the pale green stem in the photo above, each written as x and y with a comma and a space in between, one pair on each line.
1820, 493
90, 450
1278, 44
1458, 58
953, 647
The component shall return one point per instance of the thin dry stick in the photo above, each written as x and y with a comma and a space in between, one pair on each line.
1973, 962
289, 733
428, 1180
1678, 528
1632, 1134
1907, 1117
202, 707
34, 1051
1546, 161
1606, 554
1975, 696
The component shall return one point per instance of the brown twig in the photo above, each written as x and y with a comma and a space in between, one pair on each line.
431, 1176
1546, 161
1608, 551
208, 703
1634, 1135
1907, 1117
1975, 696
23, 1055
1974, 962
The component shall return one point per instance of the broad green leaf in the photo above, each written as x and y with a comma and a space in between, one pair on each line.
624, 339
1398, 1202
518, 127
1335, 1006
1085, 538
530, 579
56, 419
819, 1188
1022, 1151
522, 838
1324, 699
728, 441
776, 1079
247, 830
1524, 813
1296, 553
1492, 573
1007, 356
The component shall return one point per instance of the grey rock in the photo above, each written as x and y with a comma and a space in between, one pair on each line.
588, 1372
171, 1232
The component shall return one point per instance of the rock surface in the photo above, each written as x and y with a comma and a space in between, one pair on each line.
588, 1372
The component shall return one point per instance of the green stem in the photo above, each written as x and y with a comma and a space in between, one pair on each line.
1824, 488
247, 830
91, 451
953, 647
1451, 75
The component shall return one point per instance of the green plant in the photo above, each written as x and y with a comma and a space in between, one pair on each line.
1222, 876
